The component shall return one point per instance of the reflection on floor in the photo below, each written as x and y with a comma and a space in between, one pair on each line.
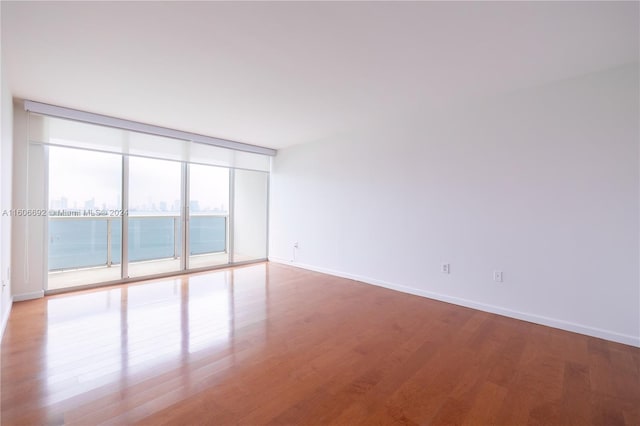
270, 343
73, 278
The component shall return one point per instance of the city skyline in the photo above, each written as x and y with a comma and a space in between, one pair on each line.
86, 180
194, 206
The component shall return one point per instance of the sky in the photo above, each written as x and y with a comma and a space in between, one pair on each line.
81, 176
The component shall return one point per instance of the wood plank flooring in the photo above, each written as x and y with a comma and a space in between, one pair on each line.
272, 344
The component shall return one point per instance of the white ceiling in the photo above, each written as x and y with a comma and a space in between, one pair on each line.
278, 74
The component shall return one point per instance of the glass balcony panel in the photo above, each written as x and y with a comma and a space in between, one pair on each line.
116, 241
208, 234
151, 238
77, 243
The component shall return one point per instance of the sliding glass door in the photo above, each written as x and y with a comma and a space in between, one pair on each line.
84, 217
173, 216
155, 220
208, 219
114, 216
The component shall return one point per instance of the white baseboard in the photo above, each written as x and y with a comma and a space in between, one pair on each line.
525, 316
5, 318
28, 296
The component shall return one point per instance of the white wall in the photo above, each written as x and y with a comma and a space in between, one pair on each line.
6, 153
542, 184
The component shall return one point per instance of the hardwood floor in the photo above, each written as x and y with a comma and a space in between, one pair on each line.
272, 344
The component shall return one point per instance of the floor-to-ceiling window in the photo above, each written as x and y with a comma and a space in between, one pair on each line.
85, 217
125, 205
154, 219
208, 216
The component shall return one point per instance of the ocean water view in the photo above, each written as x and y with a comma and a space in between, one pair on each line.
82, 242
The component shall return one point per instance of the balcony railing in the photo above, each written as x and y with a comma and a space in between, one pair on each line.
85, 241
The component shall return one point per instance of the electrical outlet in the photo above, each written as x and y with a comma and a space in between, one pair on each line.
445, 268
497, 276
